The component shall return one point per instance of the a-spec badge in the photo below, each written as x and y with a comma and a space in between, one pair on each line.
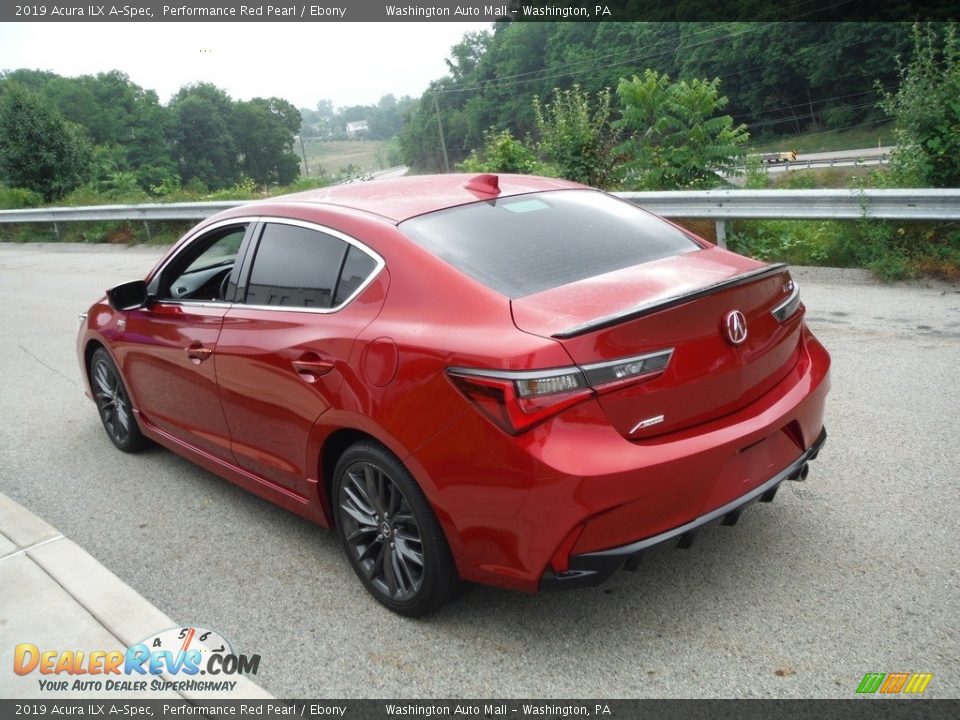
648, 422
735, 327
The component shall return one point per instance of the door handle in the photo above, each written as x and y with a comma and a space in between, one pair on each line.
197, 353
310, 366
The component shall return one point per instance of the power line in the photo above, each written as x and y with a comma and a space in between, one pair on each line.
574, 64
487, 84
518, 79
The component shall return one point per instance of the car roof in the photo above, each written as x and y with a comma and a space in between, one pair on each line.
402, 198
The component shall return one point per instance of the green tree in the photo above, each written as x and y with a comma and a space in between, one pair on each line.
202, 134
675, 137
466, 54
420, 142
926, 111
577, 140
39, 150
264, 131
116, 114
780, 78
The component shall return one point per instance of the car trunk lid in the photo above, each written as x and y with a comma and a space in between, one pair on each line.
680, 303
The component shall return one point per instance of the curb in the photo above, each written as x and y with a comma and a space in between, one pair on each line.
51, 587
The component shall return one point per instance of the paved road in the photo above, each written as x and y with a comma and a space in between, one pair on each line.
390, 173
854, 571
863, 153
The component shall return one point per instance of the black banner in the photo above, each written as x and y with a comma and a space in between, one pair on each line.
489, 10
854, 709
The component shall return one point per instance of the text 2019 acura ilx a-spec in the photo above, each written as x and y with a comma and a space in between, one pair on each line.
503, 379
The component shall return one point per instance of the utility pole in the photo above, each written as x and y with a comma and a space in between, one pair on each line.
306, 168
443, 143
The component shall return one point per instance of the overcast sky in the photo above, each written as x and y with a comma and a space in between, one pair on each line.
349, 63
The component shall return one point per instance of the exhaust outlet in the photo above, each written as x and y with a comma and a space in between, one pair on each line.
804, 471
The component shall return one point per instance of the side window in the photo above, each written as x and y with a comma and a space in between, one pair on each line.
356, 269
295, 267
202, 269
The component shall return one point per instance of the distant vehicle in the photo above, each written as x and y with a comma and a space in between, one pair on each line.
509, 380
778, 157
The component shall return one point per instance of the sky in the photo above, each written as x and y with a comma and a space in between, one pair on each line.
348, 63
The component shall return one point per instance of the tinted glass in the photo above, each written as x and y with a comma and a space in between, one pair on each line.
295, 267
356, 269
525, 244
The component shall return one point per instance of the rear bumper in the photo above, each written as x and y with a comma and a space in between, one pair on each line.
510, 505
593, 568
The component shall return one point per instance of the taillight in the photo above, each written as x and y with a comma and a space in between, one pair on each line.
788, 308
518, 400
626, 371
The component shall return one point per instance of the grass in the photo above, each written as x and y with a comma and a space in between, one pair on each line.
330, 157
821, 178
829, 140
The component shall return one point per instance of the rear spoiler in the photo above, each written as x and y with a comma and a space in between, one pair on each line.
669, 302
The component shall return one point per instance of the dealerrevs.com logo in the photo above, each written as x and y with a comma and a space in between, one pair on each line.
173, 659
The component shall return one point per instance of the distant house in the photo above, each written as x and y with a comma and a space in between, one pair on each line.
357, 129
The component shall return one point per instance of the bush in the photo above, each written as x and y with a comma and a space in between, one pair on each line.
577, 141
926, 111
676, 139
799, 243
891, 250
503, 153
40, 150
16, 198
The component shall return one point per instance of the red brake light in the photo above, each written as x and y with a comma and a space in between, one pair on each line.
518, 401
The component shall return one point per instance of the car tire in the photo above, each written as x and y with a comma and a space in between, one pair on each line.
390, 533
113, 403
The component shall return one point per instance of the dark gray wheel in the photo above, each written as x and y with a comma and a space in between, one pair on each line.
113, 402
389, 532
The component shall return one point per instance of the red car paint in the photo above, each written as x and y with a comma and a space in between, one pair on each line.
286, 391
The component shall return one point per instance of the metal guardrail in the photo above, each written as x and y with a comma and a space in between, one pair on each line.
160, 212
723, 205
802, 204
717, 205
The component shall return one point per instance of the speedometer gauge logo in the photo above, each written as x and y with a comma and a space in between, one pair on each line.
199, 644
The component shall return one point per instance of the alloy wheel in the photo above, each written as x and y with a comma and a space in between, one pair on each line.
381, 531
112, 401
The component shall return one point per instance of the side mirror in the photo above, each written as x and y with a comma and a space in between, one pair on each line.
128, 296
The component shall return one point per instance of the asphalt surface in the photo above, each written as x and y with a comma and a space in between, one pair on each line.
854, 571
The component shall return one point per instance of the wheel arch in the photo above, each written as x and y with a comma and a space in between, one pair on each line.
339, 440
332, 449
93, 344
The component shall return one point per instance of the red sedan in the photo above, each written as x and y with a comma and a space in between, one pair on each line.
508, 380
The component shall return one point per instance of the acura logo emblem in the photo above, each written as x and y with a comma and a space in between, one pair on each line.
735, 325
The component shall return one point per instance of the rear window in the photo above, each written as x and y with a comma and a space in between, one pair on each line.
525, 244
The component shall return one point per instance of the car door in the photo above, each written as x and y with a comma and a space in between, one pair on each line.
286, 342
168, 347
